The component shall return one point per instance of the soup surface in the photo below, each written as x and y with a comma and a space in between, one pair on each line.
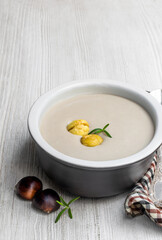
131, 127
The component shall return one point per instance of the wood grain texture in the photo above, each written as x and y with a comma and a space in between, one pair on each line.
44, 44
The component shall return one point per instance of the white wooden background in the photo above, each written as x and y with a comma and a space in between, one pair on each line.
44, 43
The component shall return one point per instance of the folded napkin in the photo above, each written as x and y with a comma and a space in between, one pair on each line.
138, 202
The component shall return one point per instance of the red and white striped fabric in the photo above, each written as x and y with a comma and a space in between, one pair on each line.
138, 201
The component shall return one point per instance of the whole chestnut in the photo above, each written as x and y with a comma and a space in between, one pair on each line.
45, 201
27, 187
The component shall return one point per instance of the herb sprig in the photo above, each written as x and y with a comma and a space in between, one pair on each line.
99, 130
66, 207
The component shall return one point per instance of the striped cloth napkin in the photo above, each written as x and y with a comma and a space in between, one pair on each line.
139, 202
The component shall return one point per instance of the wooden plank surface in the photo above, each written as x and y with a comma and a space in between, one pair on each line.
42, 45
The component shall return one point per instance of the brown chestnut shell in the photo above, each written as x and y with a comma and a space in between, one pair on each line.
28, 186
45, 201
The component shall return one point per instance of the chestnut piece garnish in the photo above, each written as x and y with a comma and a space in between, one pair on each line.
46, 201
27, 187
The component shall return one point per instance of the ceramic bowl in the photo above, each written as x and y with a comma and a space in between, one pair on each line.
95, 178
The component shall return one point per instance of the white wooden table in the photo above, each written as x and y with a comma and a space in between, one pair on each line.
44, 44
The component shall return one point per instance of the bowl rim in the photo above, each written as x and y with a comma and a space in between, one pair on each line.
33, 127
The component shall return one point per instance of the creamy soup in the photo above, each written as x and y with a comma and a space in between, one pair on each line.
131, 127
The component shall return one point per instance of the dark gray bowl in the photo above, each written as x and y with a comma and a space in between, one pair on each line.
95, 178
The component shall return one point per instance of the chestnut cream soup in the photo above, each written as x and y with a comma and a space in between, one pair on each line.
131, 127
